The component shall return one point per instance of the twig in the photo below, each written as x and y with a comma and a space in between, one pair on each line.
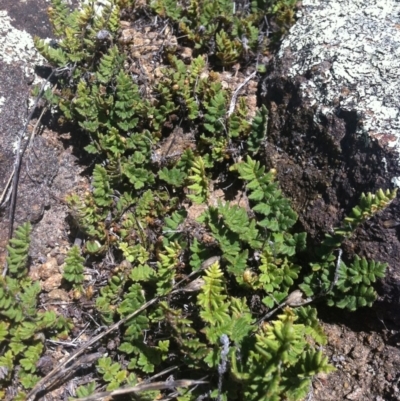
49, 379
336, 276
52, 377
143, 387
2, 201
17, 164
236, 93
296, 299
162, 373
35, 128
64, 343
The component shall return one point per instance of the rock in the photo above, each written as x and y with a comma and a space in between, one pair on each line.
48, 269
59, 295
52, 282
334, 128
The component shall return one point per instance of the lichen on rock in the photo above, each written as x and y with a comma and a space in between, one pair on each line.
353, 48
334, 120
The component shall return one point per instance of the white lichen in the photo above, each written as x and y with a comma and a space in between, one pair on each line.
17, 46
354, 47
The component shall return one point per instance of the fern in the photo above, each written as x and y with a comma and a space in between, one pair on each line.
58, 14
211, 298
126, 98
101, 187
73, 270
109, 65
279, 216
109, 297
352, 284
282, 343
18, 251
169, 261
228, 51
258, 130
215, 107
166, 8
199, 188
228, 241
21, 320
173, 176
111, 372
237, 220
85, 391
56, 56
138, 214
237, 123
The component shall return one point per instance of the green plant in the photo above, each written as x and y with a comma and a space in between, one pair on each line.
73, 269
23, 326
352, 283
180, 286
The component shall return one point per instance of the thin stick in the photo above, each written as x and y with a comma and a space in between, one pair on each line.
17, 164
47, 381
296, 299
143, 387
236, 93
6, 187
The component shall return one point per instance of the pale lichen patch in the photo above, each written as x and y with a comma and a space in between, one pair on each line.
353, 49
16, 45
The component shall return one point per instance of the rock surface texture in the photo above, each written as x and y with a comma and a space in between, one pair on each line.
334, 132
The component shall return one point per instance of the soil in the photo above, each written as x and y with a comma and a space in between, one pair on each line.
363, 346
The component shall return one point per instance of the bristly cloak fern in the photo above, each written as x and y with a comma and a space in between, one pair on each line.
73, 269
130, 213
22, 324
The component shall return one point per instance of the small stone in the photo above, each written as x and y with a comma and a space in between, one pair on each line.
187, 53
59, 295
52, 282
60, 259
355, 395
48, 269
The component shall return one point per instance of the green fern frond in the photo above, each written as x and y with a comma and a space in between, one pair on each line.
169, 261
258, 130
212, 300
18, 250
215, 109
58, 13
73, 269
228, 51
279, 216
127, 97
101, 187
109, 65
173, 176
199, 188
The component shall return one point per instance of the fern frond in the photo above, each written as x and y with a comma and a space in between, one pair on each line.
101, 187
199, 188
58, 13
73, 269
212, 299
18, 250
109, 65
169, 261
258, 130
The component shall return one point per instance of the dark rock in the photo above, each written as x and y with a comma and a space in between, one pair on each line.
332, 93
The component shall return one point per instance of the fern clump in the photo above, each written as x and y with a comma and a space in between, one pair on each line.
22, 325
180, 267
73, 269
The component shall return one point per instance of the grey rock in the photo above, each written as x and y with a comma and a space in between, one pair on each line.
332, 92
